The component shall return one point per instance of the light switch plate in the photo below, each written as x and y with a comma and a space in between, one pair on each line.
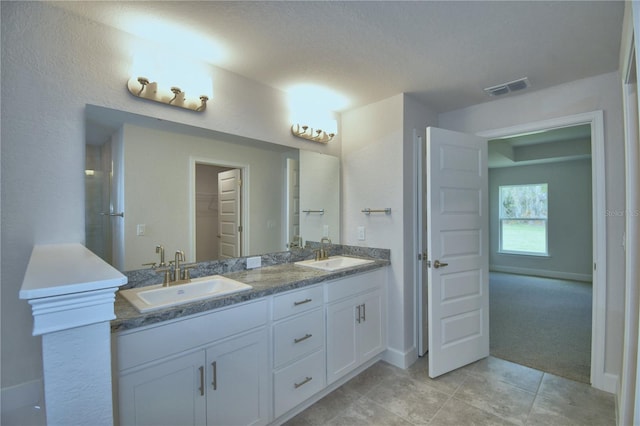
141, 229
325, 231
254, 262
361, 233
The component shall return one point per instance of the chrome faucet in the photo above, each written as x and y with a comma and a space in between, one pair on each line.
177, 273
322, 254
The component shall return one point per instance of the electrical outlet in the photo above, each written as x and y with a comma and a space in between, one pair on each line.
141, 229
361, 233
254, 262
325, 231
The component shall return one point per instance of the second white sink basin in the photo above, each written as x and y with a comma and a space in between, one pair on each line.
334, 263
150, 298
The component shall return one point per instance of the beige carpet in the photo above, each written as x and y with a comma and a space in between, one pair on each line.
542, 323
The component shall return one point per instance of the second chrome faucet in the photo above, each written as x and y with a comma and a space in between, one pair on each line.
178, 272
322, 253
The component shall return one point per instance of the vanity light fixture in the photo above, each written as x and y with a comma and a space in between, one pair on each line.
142, 87
306, 132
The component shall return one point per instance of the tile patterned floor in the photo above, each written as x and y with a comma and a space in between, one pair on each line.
489, 392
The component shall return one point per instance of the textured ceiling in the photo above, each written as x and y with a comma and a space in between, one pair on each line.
442, 52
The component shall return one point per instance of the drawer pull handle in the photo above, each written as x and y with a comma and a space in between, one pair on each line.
304, 382
301, 339
302, 302
201, 388
214, 365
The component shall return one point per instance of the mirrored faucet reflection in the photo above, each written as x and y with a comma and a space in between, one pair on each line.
160, 249
296, 242
174, 273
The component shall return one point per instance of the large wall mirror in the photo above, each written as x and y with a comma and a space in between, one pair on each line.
151, 182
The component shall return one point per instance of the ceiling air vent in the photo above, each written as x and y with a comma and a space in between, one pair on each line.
512, 86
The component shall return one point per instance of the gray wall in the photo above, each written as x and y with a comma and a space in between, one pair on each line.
569, 223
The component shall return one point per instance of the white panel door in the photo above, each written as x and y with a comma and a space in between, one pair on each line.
457, 250
229, 226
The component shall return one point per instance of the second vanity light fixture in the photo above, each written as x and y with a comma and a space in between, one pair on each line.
306, 132
142, 87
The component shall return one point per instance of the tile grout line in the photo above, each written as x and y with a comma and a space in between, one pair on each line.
466, 377
537, 395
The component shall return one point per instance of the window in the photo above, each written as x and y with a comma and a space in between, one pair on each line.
523, 219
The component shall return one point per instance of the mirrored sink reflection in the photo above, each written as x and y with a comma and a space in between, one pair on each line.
154, 297
334, 263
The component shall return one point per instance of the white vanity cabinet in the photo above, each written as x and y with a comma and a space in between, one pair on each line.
298, 347
356, 322
252, 363
210, 369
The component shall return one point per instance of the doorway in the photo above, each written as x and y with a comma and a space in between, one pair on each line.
595, 121
217, 201
540, 250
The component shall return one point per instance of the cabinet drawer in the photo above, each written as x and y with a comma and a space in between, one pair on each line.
298, 336
297, 301
299, 381
356, 284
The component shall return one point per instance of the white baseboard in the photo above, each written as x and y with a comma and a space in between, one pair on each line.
400, 359
610, 383
542, 273
23, 395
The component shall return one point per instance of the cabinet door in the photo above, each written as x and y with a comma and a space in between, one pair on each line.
169, 393
342, 353
371, 328
237, 387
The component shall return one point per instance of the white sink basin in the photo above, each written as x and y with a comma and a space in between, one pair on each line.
334, 263
150, 298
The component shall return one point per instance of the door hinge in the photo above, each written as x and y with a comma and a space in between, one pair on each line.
594, 266
240, 228
239, 182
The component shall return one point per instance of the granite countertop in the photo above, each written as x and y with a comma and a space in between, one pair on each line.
265, 281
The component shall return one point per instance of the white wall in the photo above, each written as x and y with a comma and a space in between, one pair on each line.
372, 177
417, 117
48, 76
601, 92
569, 232
377, 154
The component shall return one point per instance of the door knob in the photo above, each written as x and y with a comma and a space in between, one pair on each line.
437, 264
